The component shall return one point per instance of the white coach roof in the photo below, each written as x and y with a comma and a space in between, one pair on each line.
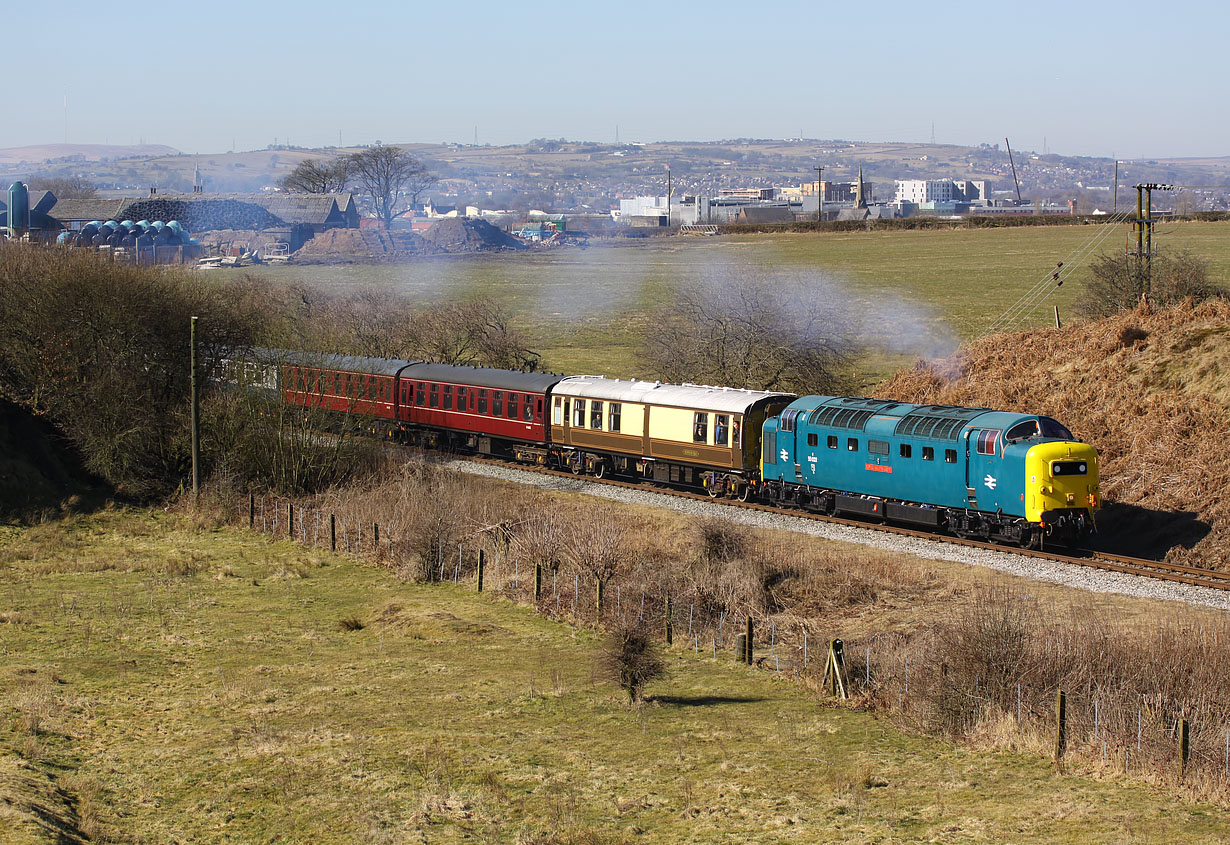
696, 396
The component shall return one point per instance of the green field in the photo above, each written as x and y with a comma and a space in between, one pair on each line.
907, 293
165, 682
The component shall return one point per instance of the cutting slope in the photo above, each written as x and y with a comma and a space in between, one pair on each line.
1148, 388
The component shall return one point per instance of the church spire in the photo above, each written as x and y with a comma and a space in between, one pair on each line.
860, 201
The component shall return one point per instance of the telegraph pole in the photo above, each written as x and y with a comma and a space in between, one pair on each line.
819, 194
196, 419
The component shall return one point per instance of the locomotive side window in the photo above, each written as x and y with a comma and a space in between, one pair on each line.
497, 403
513, 410
878, 447
421, 395
928, 453
557, 412
950, 456
578, 419
813, 439
434, 401
987, 440
832, 441
770, 447
721, 429
595, 415
905, 450
482, 401
700, 430
448, 397
851, 444
613, 416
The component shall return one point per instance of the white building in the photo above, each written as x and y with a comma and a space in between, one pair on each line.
920, 191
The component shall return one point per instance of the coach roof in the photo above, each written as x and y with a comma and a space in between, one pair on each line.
483, 377
696, 396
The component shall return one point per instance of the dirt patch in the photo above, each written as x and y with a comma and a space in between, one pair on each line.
1146, 388
339, 246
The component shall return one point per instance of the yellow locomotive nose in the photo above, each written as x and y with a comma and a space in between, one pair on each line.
1062, 475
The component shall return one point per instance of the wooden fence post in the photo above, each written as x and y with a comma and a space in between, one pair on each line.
290, 520
376, 536
747, 644
333, 532
1061, 726
1184, 747
599, 591
670, 627
537, 582
251, 510
482, 564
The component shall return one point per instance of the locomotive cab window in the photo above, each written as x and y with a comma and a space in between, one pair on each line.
770, 447
1065, 468
497, 403
812, 439
950, 456
557, 412
595, 415
832, 441
578, 410
905, 450
700, 428
448, 397
928, 453
613, 416
721, 429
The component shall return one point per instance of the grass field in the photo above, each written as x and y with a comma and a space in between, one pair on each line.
165, 682
907, 293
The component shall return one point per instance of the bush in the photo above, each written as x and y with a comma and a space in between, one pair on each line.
631, 658
1118, 282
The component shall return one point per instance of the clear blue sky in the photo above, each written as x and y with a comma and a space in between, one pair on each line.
201, 76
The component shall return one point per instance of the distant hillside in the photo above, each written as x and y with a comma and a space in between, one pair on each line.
1148, 388
40, 153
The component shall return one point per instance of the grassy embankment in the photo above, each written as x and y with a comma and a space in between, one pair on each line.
588, 308
165, 681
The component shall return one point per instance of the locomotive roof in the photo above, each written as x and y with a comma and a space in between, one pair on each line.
695, 396
905, 419
483, 377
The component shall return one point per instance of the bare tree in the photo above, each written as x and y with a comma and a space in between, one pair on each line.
752, 333
1117, 282
313, 176
67, 187
391, 178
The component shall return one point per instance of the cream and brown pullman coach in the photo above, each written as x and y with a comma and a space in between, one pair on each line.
684, 434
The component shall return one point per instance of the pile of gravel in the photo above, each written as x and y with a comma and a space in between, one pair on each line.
457, 234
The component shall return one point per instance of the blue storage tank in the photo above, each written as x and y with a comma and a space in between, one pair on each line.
19, 207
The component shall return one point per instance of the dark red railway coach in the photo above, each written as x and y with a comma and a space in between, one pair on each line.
472, 407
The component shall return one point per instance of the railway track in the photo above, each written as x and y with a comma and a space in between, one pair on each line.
1158, 570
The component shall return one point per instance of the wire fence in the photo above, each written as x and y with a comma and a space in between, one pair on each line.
1140, 735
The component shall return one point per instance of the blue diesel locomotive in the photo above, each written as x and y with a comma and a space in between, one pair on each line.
992, 475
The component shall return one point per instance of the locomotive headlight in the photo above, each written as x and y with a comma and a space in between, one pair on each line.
1071, 498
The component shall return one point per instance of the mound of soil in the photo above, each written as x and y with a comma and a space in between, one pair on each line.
457, 234
247, 238
1148, 388
362, 245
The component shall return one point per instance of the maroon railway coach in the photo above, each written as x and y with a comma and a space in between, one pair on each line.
476, 408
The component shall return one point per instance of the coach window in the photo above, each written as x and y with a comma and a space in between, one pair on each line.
447, 398
614, 416
832, 441
539, 411
529, 407
461, 399
950, 456
721, 429
557, 412
482, 401
497, 403
928, 453
434, 402
595, 416
700, 431
852, 444
420, 397
734, 438
514, 409
578, 418
905, 450
813, 439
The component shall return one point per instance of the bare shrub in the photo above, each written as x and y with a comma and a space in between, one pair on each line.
721, 540
601, 544
1117, 282
351, 623
631, 658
